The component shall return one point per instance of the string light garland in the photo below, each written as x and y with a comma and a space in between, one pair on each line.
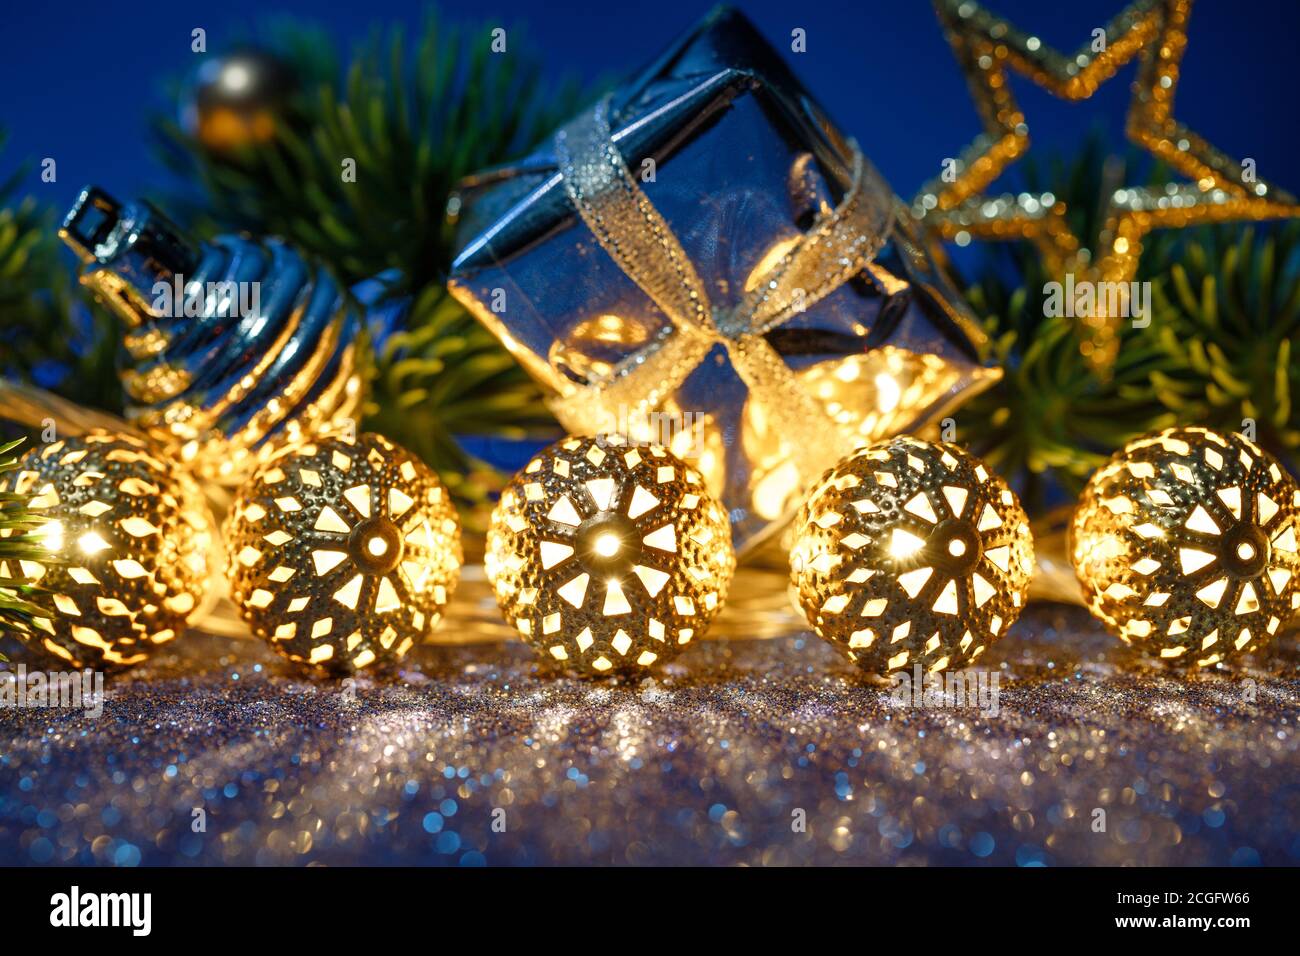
130, 539
343, 554
608, 557
1185, 544
911, 552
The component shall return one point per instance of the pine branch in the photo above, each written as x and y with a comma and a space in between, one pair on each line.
1228, 319
18, 521
45, 338
1051, 421
416, 117
445, 376
1225, 323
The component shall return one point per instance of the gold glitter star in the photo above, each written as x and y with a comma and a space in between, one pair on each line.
1155, 31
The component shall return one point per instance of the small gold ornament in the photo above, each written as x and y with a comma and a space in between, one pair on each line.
343, 553
239, 100
1154, 32
130, 536
609, 557
1185, 544
910, 552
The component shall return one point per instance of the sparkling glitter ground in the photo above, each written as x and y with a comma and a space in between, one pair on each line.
470, 756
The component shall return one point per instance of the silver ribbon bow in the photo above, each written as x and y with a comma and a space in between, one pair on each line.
629, 228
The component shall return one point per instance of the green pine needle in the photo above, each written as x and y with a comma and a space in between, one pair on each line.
36, 301
1225, 317
416, 118
18, 521
1227, 321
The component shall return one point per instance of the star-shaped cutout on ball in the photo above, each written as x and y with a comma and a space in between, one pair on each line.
1154, 31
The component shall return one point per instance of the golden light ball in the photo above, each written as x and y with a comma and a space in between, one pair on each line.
608, 557
910, 552
130, 539
343, 554
1185, 545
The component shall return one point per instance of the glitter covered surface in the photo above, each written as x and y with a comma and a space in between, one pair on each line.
708, 763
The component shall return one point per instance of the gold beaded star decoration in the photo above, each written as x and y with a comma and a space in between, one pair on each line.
1155, 31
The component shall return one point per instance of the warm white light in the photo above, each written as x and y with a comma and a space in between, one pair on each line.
377, 546
607, 545
1245, 551
92, 543
51, 535
956, 547
888, 393
236, 78
904, 544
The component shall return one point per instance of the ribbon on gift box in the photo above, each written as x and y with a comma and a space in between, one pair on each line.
837, 246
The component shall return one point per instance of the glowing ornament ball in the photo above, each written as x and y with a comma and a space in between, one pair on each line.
607, 557
1185, 545
129, 537
343, 554
910, 552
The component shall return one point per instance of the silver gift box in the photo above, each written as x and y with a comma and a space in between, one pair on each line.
739, 162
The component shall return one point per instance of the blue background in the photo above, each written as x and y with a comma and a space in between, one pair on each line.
80, 80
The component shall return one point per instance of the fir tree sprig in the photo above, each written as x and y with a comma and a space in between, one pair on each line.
1228, 320
416, 118
44, 338
1225, 320
442, 377
18, 543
